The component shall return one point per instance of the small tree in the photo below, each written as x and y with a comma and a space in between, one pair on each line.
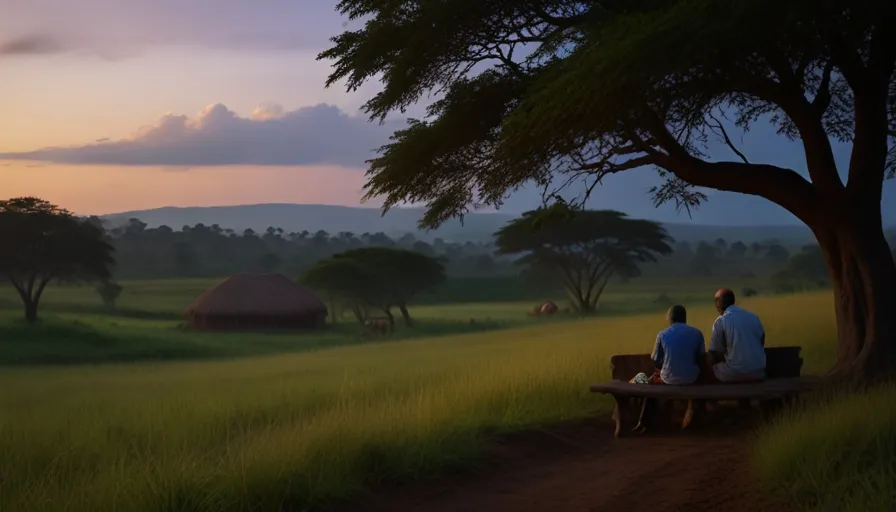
351, 284
585, 250
40, 242
400, 274
109, 291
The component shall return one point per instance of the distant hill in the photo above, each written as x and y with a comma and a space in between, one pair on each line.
476, 226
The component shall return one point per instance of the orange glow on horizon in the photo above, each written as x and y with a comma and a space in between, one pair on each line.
96, 190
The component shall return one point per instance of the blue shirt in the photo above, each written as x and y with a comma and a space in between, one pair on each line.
678, 350
740, 336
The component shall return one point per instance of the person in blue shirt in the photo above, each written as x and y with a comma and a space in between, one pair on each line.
678, 355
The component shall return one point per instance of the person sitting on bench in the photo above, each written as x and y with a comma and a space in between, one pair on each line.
677, 355
737, 343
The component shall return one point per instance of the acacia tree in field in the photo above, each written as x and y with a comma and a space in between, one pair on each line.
377, 277
40, 242
401, 274
584, 251
539, 88
350, 284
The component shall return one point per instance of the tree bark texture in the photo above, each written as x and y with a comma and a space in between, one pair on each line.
863, 273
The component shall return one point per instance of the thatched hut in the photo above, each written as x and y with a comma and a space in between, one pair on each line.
256, 302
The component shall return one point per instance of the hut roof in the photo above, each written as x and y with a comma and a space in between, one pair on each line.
256, 295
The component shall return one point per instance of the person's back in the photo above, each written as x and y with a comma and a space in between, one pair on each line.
679, 350
737, 342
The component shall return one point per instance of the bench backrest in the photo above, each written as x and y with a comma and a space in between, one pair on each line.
780, 362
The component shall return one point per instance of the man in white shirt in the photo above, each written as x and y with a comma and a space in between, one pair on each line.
737, 343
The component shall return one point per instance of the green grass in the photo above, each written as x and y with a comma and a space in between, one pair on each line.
309, 427
147, 326
837, 454
167, 298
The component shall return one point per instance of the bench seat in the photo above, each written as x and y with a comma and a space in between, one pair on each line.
783, 381
767, 389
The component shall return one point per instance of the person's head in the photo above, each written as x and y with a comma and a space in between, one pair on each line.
677, 315
724, 298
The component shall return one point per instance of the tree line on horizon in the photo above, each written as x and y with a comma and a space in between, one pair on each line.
581, 253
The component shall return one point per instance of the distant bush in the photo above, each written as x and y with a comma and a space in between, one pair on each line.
749, 292
664, 300
109, 292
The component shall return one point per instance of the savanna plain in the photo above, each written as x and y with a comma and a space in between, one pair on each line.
125, 410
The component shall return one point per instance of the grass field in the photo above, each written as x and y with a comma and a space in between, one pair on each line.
76, 329
310, 418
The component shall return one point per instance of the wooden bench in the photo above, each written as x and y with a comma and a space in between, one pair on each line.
782, 383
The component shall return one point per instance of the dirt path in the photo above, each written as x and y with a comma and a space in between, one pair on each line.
581, 467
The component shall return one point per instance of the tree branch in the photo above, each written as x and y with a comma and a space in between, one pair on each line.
870, 149
727, 139
822, 99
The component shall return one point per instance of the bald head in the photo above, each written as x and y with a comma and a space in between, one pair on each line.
724, 298
677, 315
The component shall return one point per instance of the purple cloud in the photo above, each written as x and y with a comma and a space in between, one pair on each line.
115, 26
33, 44
321, 134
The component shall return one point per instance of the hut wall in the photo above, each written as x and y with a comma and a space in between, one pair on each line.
257, 322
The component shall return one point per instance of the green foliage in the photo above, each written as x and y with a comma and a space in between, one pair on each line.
380, 277
584, 249
350, 284
109, 291
40, 242
214, 251
586, 89
807, 269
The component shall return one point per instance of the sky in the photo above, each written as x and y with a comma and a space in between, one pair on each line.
114, 105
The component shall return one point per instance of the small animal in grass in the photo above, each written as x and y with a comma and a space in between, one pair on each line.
378, 325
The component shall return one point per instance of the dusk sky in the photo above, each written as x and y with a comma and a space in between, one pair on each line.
113, 105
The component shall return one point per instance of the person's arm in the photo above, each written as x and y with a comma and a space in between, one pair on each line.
701, 348
717, 343
659, 354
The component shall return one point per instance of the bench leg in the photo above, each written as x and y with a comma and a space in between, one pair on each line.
694, 407
621, 414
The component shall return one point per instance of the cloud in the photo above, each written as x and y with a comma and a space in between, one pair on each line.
110, 27
271, 136
32, 44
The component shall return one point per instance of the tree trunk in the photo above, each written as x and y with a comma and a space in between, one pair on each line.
391, 318
30, 310
863, 274
406, 315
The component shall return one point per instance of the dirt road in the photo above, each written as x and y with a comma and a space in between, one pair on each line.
581, 467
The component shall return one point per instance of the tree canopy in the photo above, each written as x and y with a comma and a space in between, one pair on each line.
379, 277
584, 251
570, 90
40, 242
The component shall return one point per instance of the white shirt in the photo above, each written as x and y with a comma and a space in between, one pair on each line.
739, 335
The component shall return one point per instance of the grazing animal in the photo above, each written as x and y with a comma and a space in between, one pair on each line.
548, 308
378, 325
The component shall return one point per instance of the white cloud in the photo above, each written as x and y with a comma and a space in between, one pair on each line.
320, 134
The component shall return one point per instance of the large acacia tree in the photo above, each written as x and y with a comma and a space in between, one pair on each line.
536, 89
40, 242
585, 251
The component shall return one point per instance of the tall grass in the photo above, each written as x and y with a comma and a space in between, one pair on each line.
303, 429
836, 454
